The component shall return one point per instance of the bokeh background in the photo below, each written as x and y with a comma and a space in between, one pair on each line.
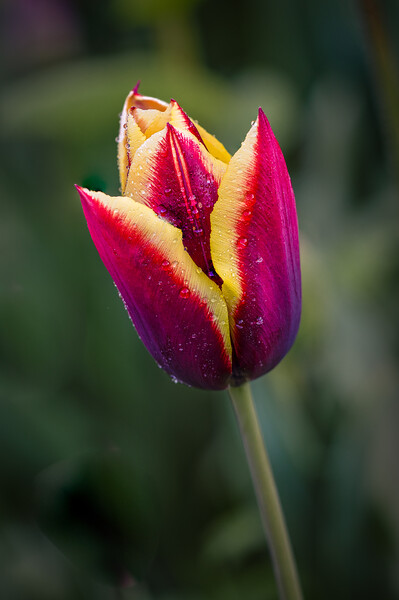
116, 483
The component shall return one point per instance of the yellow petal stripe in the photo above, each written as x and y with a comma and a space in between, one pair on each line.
228, 210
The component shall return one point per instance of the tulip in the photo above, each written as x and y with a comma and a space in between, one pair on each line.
202, 246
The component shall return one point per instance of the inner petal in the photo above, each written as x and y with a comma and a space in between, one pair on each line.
174, 174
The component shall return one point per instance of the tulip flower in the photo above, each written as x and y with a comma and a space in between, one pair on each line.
202, 246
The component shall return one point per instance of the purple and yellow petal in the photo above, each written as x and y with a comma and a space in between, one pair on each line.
175, 175
254, 247
179, 313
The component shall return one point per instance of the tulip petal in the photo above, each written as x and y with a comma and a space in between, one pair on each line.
175, 175
134, 99
179, 313
254, 246
133, 138
151, 121
213, 145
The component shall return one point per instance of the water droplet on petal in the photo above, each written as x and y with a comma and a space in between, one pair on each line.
240, 324
184, 292
259, 321
162, 210
259, 259
199, 204
249, 196
167, 191
246, 214
198, 230
165, 264
242, 242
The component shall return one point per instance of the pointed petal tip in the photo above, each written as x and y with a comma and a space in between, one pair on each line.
86, 196
263, 121
83, 192
135, 90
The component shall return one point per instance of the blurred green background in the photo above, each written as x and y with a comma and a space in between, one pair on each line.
116, 483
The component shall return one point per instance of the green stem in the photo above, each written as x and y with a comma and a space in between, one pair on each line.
266, 494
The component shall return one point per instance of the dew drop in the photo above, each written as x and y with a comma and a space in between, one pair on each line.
195, 210
199, 204
199, 270
259, 259
165, 264
198, 230
259, 321
240, 324
184, 292
167, 191
174, 264
246, 214
162, 210
242, 242
250, 196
